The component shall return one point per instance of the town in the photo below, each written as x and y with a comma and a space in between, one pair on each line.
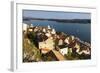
46, 44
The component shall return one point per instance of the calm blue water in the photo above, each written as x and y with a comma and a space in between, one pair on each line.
83, 31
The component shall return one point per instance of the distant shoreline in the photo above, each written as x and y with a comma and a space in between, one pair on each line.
60, 20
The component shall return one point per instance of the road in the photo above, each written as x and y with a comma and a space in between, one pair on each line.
59, 56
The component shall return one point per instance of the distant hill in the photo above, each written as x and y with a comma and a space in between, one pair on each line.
60, 20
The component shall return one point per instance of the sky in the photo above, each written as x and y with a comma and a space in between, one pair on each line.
56, 15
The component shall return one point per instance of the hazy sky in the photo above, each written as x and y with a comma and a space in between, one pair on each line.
56, 15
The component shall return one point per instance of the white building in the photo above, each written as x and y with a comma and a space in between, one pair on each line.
72, 38
64, 51
36, 29
67, 40
49, 27
78, 47
48, 34
87, 52
31, 25
53, 31
44, 30
60, 42
47, 45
